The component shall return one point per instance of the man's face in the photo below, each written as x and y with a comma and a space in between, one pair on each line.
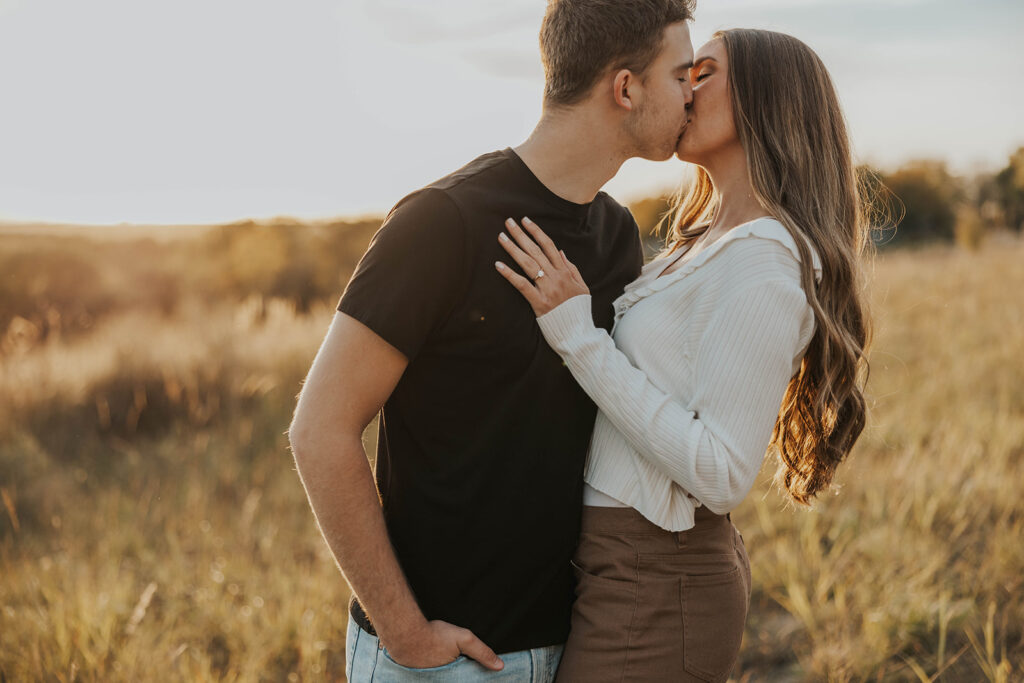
658, 122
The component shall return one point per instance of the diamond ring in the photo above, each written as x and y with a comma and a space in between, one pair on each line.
539, 275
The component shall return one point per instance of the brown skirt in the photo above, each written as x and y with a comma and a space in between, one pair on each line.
656, 605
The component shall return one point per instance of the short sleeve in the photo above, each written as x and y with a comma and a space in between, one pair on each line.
411, 275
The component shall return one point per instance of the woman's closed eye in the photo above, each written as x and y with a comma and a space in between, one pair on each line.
699, 73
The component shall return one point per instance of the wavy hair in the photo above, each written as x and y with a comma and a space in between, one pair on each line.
794, 136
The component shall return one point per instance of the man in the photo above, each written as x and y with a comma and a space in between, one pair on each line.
483, 432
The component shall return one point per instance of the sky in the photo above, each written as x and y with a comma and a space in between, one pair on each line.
201, 111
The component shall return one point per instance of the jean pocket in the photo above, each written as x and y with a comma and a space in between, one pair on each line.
714, 608
424, 672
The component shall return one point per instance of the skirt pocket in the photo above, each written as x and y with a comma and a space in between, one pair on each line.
714, 609
604, 608
655, 643
741, 552
602, 616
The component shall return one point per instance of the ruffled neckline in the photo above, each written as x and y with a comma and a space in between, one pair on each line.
649, 281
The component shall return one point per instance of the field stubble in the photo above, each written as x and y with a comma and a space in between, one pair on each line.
153, 527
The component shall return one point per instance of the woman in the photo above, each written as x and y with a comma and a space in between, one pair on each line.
749, 331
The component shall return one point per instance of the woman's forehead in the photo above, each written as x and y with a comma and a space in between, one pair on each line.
713, 49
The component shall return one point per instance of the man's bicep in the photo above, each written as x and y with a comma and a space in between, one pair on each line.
352, 376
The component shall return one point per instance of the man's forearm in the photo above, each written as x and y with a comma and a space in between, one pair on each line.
344, 499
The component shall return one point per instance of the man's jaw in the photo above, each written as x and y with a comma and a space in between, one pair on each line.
682, 133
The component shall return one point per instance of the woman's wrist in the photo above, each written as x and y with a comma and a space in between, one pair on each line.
567, 321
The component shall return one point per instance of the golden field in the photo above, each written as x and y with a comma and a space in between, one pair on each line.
153, 528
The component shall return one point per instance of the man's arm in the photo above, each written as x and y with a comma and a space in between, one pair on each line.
352, 376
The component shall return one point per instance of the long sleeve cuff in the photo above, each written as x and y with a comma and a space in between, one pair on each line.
568, 323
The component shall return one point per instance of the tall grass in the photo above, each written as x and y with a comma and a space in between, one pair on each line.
152, 526
914, 571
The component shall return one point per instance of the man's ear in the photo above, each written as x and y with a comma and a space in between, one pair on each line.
623, 83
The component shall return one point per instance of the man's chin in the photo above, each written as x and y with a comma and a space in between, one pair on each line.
660, 155
679, 140
681, 145
686, 156
668, 153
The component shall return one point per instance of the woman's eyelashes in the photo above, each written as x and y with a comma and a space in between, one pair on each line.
698, 76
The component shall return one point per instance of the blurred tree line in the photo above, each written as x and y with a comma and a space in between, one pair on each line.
63, 286
918, 203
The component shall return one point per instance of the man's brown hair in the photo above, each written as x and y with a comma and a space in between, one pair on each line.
581, 39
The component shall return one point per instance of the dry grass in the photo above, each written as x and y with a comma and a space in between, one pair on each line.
152, 526
174, 546
915, 569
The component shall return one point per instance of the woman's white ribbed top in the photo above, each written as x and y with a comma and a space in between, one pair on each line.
690, 381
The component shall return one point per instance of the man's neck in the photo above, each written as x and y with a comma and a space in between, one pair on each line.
573, 153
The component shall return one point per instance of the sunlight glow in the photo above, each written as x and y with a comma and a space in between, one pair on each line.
197, 112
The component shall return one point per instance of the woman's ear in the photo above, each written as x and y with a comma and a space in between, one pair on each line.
621, 85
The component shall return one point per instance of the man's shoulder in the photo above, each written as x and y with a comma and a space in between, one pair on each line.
477, 170
614, 210
443, 194
616, 220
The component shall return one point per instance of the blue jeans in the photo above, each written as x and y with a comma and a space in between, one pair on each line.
366, 661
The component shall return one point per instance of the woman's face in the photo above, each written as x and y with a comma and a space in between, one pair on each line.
711, 129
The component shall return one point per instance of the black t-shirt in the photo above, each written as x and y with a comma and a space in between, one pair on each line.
482, 443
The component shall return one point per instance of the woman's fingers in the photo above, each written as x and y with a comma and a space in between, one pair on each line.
529, 266
522, 285
541, 238
561, 279
528, 245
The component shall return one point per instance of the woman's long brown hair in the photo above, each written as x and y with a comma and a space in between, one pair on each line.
793, 132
